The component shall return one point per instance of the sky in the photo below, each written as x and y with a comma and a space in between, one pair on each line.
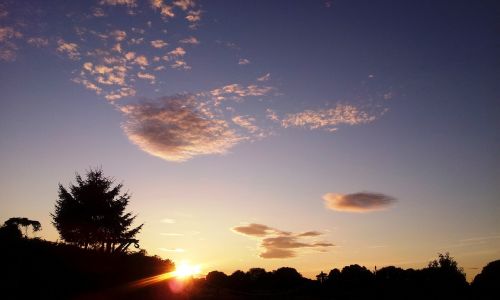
309, 134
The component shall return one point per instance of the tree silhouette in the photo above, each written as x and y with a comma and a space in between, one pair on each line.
91, 214
23, 222
322, 277
485, 284
443, 276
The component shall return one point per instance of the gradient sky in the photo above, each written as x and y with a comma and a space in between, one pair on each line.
309, 134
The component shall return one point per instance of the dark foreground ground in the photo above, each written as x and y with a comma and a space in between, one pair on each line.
38, 269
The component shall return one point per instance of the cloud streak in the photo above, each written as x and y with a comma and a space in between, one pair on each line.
275, 243
358, 202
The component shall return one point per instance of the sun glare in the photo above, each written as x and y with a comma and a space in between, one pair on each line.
184, 270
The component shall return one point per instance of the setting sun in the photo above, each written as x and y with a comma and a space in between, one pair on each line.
186, 270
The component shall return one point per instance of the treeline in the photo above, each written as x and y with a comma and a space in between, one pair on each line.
441, 279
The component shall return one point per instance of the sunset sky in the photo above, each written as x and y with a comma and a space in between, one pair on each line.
309, 134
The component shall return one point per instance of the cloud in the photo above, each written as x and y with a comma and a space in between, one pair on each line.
98, 12
130, 3
119, 35
158, 44
272, 115
258, 230
243, 61
342, 114
88, 85
120, 93
38, 42
310, 233
190, 40
172, 250
141, 60
237, 91
171, 234
70, 49
179, 51
168, 221
193, 16
246, 122
184, 4
180, 64
264, 77
165, 10
177, 128
276, 243
147, 76
8, 48
357, 202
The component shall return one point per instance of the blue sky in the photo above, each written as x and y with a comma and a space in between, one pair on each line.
219, 115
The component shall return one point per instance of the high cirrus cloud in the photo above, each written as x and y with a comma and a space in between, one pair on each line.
177, 128
276, 243
357, 202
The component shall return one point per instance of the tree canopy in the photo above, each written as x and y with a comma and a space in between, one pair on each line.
23, 222
91, 214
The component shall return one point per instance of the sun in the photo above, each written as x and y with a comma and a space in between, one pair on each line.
184, 270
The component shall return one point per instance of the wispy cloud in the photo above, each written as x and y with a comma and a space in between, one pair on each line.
98, 12
194, 16
178, 250
130, 3
119, 35
190, 40
180, 64
184, 4
176, 53
243, 61
38, 42
177, 128
70, 49
342, 114
158, 44
168, 221
147, 76
265, 77
237, 91
246, 122
276, 243
8, 47
165, 10
171, 234
141, 60
358, 202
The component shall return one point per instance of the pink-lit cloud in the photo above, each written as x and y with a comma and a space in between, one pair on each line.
275, 243
177, 128
190, 40
342, 114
